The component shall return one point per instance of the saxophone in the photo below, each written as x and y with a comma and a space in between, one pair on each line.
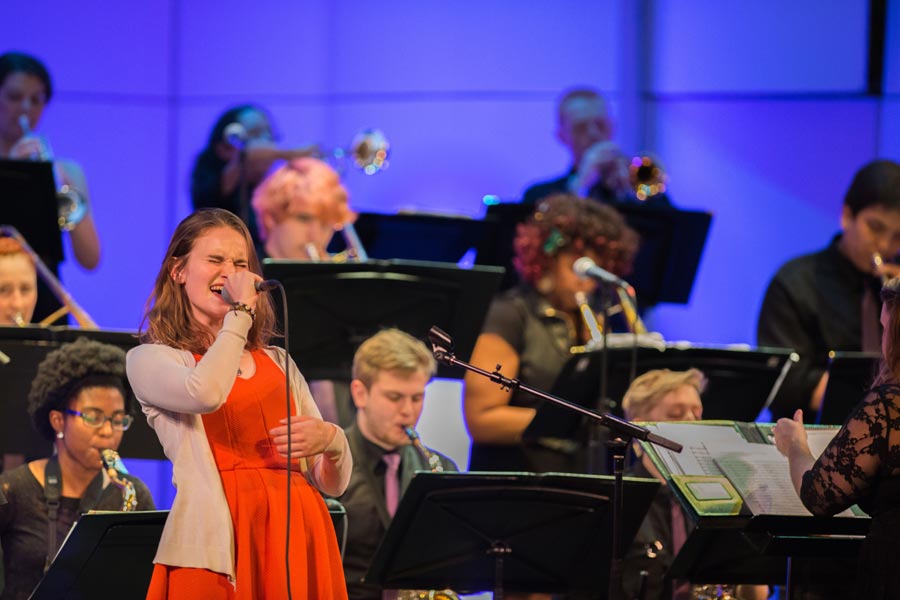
434, 463
116, 471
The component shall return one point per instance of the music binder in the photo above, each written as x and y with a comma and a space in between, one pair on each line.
734, 485
334, 307
26, 347
550, 531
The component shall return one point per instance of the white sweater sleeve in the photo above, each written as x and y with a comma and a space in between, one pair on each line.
159, 376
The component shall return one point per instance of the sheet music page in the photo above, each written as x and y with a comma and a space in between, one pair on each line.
819, 439
695, 458
761, 475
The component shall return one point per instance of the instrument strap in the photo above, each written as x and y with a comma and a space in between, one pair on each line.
53, 493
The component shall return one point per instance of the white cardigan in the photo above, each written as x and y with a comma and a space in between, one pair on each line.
174, 390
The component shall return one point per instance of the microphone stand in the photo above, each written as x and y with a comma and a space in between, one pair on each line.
624, 432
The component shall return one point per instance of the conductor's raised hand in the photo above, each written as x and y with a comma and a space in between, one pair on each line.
790, 434
309, 436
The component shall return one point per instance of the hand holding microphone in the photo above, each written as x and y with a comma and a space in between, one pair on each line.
243, 287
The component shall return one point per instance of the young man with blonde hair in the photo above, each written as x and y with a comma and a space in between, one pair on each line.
390, 372
664, 395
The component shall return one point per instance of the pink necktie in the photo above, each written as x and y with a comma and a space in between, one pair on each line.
391, 481
681, 589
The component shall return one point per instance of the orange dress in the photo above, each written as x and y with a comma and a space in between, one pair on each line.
254, 480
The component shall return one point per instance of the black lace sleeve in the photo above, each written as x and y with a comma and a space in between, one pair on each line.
855, 458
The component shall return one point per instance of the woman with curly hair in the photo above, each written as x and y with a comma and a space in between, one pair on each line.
81, 402
530, 329
214, 391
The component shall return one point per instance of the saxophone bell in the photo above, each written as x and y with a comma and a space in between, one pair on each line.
116, 471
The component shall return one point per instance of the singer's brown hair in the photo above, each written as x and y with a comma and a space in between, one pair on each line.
168, 314
889, 371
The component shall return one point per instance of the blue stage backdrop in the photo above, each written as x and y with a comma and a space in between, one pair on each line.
759, 111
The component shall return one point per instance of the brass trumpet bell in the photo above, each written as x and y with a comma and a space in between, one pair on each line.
647, 177
369, 151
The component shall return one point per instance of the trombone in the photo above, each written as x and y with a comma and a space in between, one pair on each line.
69, 305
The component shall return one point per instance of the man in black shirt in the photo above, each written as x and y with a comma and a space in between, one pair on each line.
390, 372
829, 300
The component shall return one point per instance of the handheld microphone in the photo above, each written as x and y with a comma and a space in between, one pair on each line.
261, 286
235, 134
585, 267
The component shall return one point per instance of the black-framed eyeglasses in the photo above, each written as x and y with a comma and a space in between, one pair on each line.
94, 417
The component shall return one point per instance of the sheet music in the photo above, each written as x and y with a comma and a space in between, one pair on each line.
695, 458
761, 475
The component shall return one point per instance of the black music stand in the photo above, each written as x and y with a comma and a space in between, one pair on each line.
739, 383
28, 190
493, 531
26, 348
849, 376
334, 307
106, 554
665, 267
756, 549
413, 236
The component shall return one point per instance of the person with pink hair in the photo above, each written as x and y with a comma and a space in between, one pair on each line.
298, 208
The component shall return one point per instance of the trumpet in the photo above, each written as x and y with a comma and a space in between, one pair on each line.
879, 263
369, 152
71, 205
639, 177
68, 303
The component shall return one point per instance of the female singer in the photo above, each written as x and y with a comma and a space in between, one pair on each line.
25, 90
530, 329
299, 206
861, 465
18, 284
239, 152
80, 401
214, 391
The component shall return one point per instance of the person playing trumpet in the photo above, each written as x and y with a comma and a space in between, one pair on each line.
390, 372
240, 150
599, 169
829, 300
25, 91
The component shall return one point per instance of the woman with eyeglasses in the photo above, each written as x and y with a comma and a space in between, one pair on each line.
80, 401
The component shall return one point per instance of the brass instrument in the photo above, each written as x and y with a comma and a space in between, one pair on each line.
431, 459
368, 152
878, 263
71, 206
434, 463
116, 471
594, 322
647, 177
68, 303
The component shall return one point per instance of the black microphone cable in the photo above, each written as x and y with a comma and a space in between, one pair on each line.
287, 402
